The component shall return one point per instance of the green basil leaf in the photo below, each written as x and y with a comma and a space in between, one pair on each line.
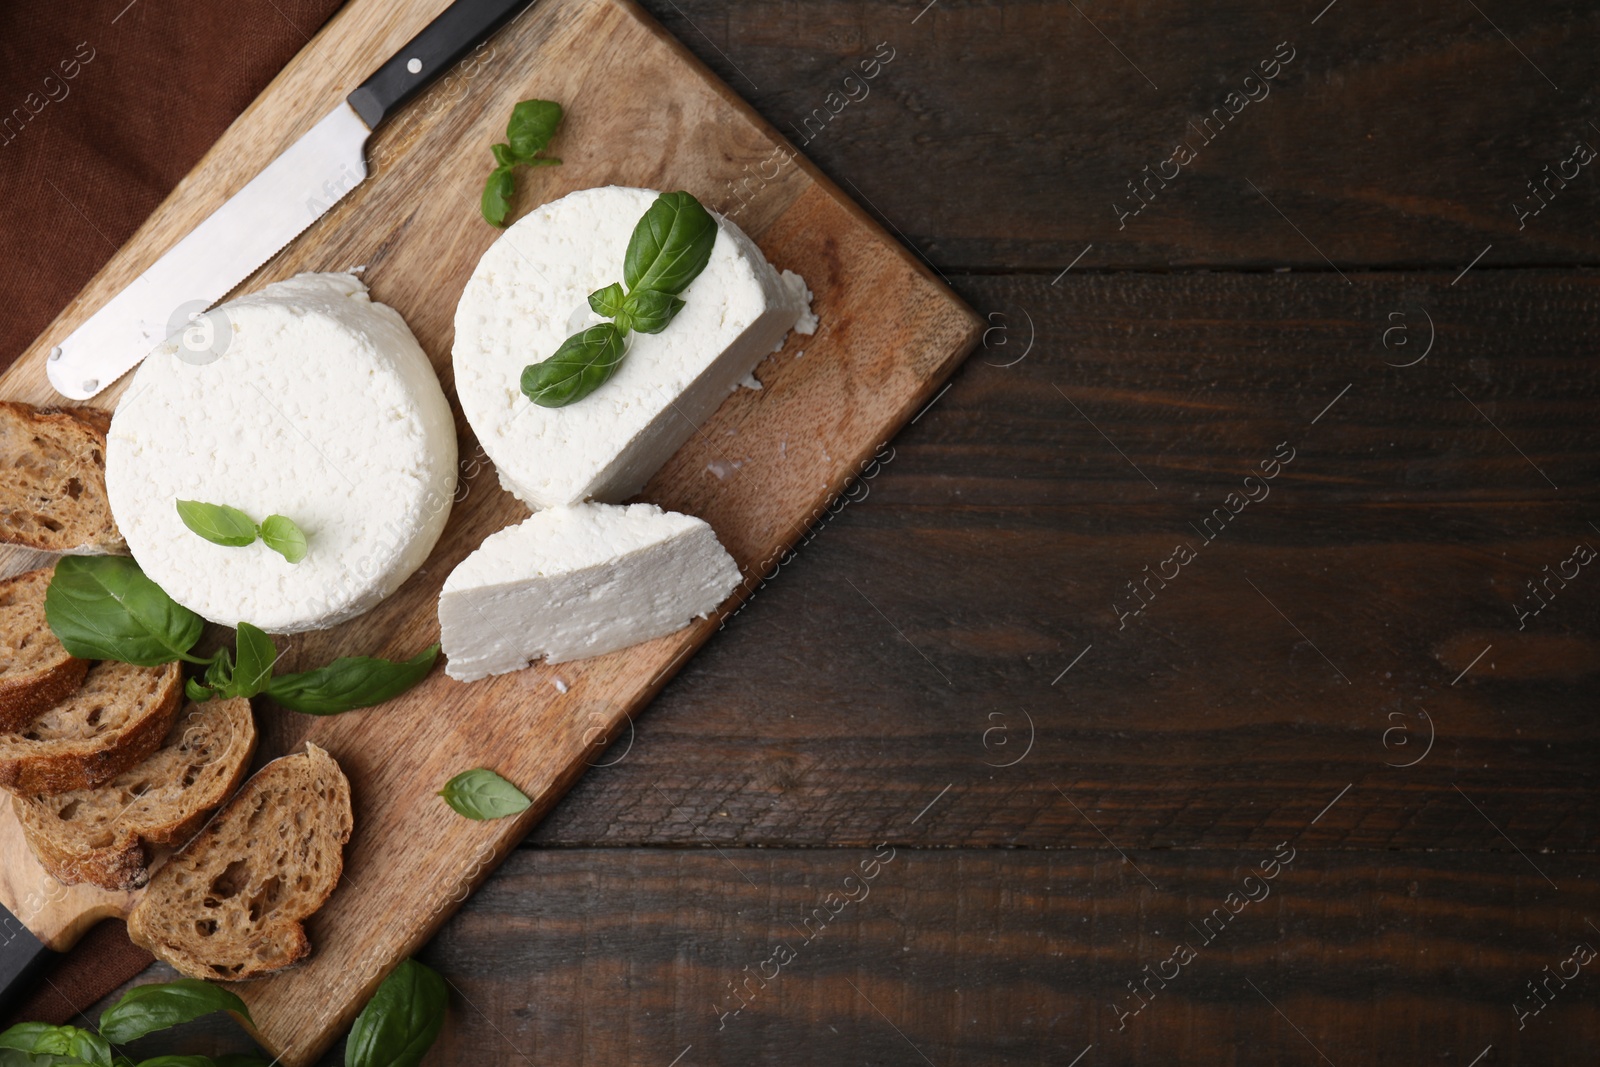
10, 1057
607, 301
284, 537
197, 692
42, 1039
353, 682
533, 123
147, 1008
497, 192
503, 156
670, 246
583, 363
649, 311
103, 607
483, 794
401, 1021
257, 654
218, 523
219, 672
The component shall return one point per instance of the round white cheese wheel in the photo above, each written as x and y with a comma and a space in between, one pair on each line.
530, 293
322, 408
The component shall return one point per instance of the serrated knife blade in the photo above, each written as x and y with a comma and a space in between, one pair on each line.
294, 190
298, 187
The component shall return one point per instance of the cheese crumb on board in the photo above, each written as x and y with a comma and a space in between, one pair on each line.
574, 582
530, 292
322, 408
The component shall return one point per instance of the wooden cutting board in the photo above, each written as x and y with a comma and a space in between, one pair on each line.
641, 110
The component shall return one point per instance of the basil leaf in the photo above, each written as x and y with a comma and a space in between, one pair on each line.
670, 246
607, 301
533, 123
583, 363
257, 654
352, 682
483, 794
10, 1057
284, 537
148, 1008
80, 1046
197, 692
218, 523
497, 196
649, 311
103, 607
503, 156
401, 1021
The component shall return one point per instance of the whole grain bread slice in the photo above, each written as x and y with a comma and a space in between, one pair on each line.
230, 904
35, 671
53, 480
103, 836
119, 716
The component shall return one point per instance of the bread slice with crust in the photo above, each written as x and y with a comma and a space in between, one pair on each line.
114, 721
230, 904
53, 480
35, 671
104, 835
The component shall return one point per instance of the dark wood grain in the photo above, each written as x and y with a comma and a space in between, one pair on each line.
1011, 957
907, 643
1002, 132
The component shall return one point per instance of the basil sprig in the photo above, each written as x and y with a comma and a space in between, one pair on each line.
401, 1021
105, 608
224, 525
669, 248
64, 1044
351, 682
482, 794
147, 1008
395, 1029
533, 123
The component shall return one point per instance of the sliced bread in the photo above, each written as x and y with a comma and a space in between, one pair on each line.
229, 905
53, 489
104, 836
114, 721
35, 671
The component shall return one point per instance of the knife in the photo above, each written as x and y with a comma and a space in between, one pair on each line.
22, 956
294, 190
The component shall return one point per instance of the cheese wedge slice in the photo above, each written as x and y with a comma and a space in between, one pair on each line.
569, 583
321, 407
530, 293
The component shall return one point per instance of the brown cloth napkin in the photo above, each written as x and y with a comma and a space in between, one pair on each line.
104, 106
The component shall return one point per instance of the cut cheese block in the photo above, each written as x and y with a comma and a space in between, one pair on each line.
530, 293
581, 581
321, 408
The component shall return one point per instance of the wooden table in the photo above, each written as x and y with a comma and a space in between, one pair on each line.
1176, 677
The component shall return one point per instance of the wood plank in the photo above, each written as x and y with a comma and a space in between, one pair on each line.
892, 334
996, 540
1010, 956
1003, 133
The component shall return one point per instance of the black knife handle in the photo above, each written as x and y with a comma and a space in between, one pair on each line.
460, 28
21, 958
